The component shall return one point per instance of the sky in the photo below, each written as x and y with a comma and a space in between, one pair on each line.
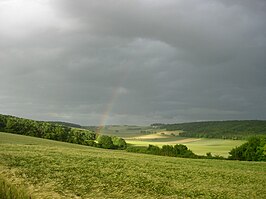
133, 61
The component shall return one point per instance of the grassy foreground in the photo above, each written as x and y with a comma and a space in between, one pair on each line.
50, 169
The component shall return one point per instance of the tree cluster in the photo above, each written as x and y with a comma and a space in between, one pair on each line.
111, 142
253, 150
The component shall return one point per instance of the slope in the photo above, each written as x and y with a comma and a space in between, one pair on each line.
51, 169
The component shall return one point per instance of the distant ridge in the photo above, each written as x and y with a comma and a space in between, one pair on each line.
231, 129
68, 124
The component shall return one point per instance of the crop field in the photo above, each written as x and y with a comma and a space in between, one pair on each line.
49, 169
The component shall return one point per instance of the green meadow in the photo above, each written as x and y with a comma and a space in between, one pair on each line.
40, 168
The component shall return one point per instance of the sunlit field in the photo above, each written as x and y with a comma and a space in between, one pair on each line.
199, 146
160, 137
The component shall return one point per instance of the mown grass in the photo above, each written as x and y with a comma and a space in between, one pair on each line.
50, 169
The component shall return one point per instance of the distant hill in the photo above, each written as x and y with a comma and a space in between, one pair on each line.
236, 129
91, 128
68, 124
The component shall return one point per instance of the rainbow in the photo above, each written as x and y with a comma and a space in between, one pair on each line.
108, 109
111, 102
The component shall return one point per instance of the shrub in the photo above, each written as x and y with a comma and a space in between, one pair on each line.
137, 149
209, 155
168, 150
90, 143
105, 141
180, 149
154, 150
119, 142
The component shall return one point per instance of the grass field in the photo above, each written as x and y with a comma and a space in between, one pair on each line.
50, 169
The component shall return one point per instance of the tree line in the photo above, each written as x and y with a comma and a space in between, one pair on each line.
58, 132
178, 150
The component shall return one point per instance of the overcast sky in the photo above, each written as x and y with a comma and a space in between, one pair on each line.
133, 61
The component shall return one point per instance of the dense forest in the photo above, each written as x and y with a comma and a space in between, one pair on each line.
58, 131
218, 129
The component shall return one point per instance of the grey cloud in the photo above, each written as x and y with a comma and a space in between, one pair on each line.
207, 31
153, 61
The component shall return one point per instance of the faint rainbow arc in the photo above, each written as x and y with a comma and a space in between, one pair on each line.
111, 102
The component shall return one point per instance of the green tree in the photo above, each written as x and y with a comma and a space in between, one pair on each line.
253, 150
2, 123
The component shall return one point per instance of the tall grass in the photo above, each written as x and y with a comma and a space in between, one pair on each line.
57, 170
10, 191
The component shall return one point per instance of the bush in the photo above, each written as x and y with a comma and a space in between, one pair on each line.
168, 150
154, 150
105, 142
119, 142
180, 149
90, 143
137, 149
209, 155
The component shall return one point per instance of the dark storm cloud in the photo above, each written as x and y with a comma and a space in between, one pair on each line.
152, 61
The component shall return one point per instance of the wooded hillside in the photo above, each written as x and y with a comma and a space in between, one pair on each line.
218, 129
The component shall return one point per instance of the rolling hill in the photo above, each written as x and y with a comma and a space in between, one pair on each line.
39, 168
238, 129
